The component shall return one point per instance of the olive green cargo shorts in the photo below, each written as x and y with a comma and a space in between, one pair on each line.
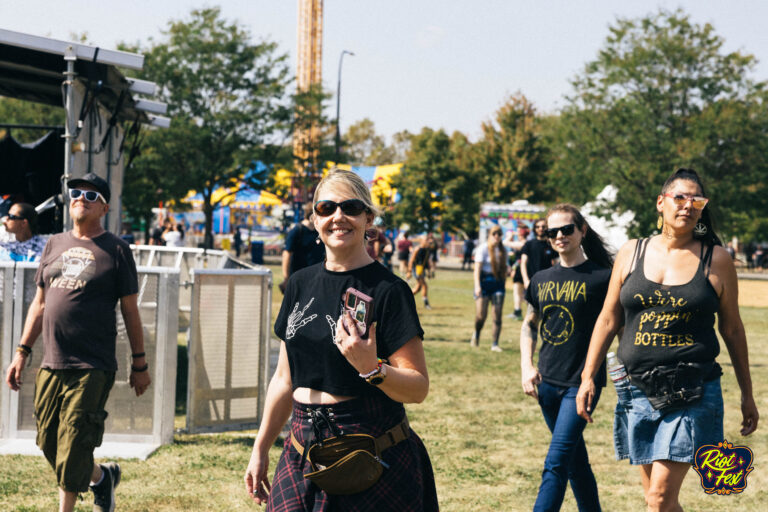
69, 407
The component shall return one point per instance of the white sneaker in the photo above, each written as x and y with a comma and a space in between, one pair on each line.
473, 342
496, 348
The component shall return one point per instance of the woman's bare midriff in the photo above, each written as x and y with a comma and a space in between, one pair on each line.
313, 396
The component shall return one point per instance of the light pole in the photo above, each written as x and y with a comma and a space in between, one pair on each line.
338, 104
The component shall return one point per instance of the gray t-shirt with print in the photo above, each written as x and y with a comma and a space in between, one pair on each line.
83, 280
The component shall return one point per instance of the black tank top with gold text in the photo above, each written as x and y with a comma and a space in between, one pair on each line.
665, 324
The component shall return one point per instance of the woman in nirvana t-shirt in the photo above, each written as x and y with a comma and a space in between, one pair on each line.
333, 378
565, 301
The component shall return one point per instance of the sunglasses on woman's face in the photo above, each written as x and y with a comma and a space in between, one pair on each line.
88, 195
11, 216
698, 202
350, 207
567, 230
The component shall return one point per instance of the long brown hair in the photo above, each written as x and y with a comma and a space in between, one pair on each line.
593, 244
498, 265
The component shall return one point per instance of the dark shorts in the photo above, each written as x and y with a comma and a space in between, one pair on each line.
408, 484
518, 276
491, 286
403, 255
69, 407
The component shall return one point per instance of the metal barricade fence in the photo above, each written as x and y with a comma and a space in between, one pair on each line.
230, 358
229, 349
184, 259
136, 426
225, 307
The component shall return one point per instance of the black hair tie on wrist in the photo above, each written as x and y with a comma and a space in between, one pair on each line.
138, 355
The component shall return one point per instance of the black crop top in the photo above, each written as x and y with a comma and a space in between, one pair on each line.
307, 321
665, 324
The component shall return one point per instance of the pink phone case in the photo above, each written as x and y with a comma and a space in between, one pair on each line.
360, 307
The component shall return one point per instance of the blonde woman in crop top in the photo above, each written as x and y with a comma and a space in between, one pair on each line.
665, 291
333, 378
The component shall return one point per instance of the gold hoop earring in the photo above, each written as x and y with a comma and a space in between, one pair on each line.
660, 223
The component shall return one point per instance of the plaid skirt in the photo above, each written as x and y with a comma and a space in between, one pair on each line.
407, 485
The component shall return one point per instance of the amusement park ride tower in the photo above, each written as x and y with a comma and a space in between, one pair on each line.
309, 76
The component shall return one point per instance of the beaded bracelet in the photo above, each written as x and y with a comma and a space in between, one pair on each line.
373, 372
141, 369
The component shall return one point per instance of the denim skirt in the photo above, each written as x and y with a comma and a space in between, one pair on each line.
643, 434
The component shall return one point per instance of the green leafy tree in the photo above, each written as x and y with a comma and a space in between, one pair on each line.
428, 169
662, 94
511, 156
14, 111
363, 146
228, 96
401, 144
461, 195
160, 174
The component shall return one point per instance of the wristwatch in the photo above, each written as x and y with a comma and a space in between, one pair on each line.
378, 377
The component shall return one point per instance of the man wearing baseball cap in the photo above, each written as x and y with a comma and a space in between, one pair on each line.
83, 273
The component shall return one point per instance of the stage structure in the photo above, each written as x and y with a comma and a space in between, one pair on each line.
104, 109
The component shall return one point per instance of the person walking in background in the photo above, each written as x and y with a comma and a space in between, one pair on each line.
25, 244
749, 252
83, 274
666, 291
303, 247
514, 245
418, 267
333, 378
377, 243
564, 322
434, 248
536, 254
174, 235
489, 285
237, 242
156, 236
403, 251
469, 250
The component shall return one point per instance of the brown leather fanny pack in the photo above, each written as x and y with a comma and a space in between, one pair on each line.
350, 463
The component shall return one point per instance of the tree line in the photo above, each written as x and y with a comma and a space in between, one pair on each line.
661, 93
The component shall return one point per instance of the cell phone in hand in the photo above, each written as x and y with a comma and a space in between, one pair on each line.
360, 306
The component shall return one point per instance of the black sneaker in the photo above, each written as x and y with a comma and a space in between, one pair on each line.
104, 493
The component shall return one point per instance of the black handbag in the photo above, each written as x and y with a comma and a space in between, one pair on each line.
679, 385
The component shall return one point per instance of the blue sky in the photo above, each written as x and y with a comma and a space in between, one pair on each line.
440, 63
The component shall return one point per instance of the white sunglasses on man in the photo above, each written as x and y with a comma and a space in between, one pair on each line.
88, 195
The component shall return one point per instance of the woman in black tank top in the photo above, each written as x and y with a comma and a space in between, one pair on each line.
665, 292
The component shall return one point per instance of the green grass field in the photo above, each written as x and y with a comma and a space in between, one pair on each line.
487, 439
